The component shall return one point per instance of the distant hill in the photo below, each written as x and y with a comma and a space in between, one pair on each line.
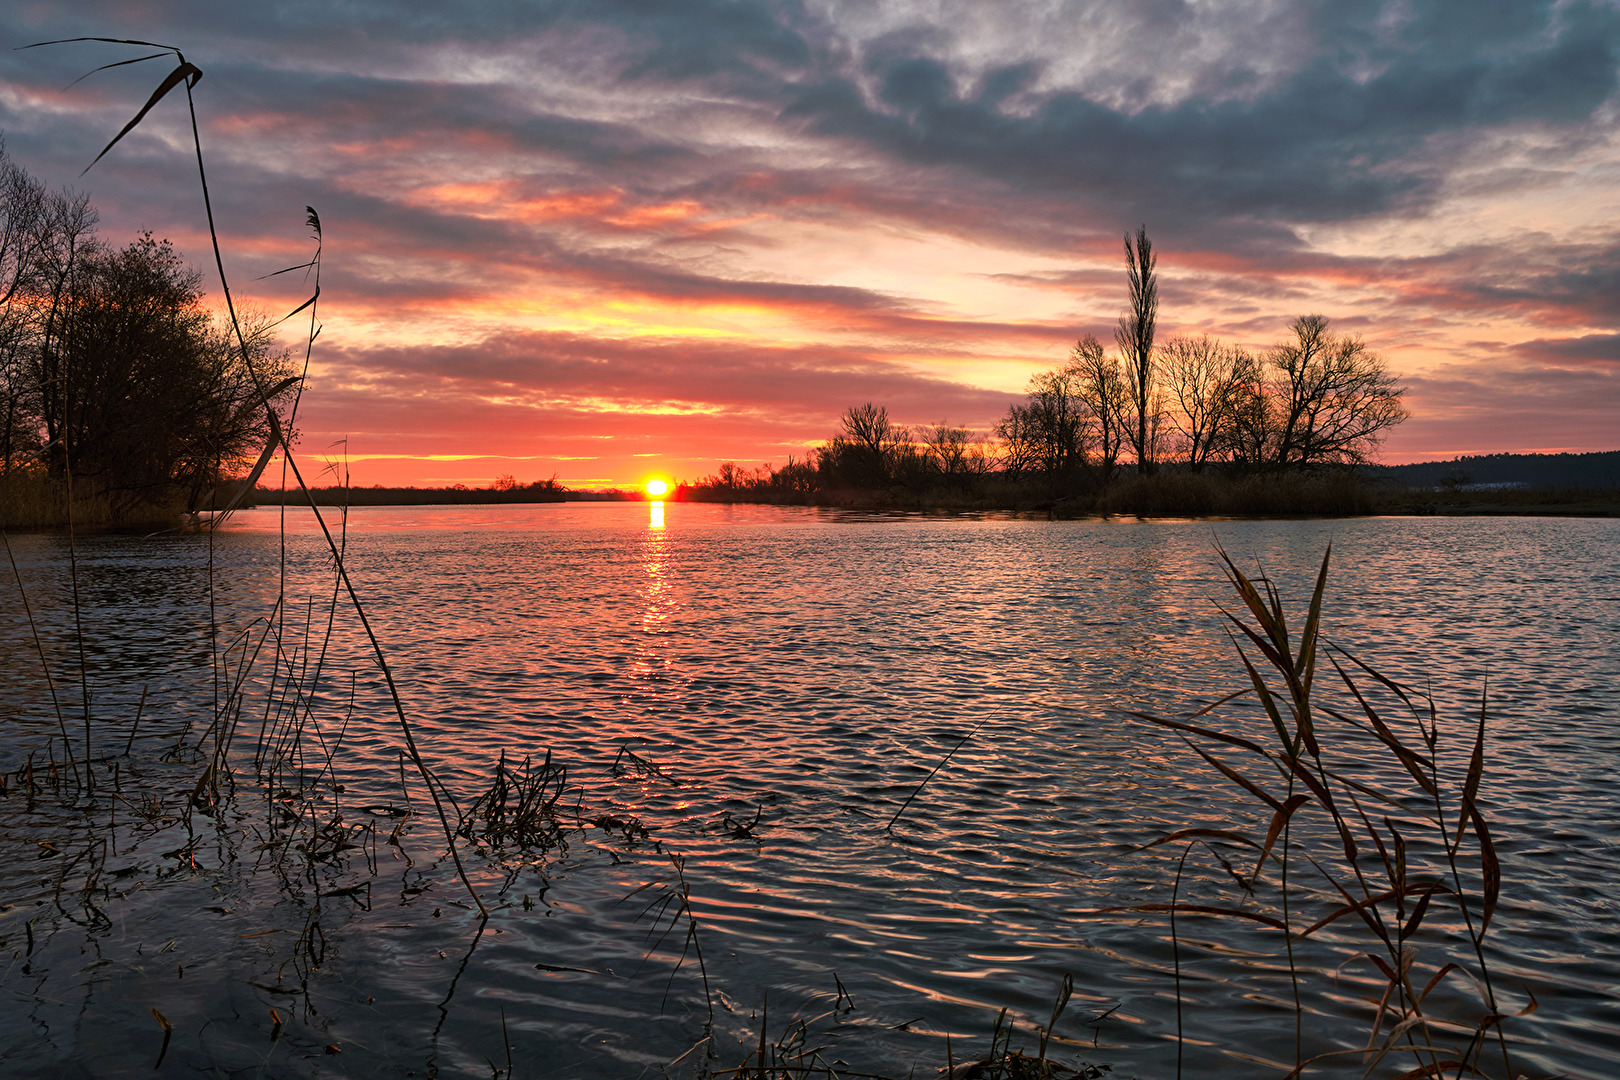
1599, 470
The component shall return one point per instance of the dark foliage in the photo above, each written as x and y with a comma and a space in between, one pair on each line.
114, 378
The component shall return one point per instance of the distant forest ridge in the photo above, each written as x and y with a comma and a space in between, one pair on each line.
1600, 470
544, 491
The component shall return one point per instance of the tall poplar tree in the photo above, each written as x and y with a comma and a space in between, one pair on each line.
1135, 337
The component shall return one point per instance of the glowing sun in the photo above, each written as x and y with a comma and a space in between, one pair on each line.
657, 488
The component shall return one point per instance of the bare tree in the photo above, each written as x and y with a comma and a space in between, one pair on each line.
1337, 398
1063, 424
1135, 337
1099, 383
1020, 441
1200, 376
22, 230
871, 448
1321, 399
947, 448
1246, 435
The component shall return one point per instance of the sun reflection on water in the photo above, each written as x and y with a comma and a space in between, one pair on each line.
657, 598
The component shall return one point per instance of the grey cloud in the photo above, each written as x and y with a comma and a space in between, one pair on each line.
1597, 351
1326, 144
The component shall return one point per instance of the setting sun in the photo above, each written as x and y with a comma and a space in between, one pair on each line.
657, 488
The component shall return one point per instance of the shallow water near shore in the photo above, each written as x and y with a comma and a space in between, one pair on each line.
783, 679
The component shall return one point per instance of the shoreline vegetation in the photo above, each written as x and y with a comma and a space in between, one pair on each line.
1182, 495
29, 504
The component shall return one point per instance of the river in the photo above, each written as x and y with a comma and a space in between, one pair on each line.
758, 690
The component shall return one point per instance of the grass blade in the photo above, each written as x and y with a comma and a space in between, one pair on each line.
186, 72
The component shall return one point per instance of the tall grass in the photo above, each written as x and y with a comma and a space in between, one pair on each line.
29, 499
186, 75
1368, 825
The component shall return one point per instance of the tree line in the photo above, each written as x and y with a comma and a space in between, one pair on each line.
116, 384
1314, 401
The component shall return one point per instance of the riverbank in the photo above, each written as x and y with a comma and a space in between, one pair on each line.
28, 503
1175, 494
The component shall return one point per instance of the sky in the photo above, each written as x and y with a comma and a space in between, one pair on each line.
602, 240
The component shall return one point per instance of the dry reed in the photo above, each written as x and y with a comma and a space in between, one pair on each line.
1349, 843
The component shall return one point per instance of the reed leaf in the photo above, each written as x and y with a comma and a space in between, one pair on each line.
1490, 867
1273, 657
1353, 906
1267, 615
1208, 733
1290, 743
186, 72
1285, 811
1413, 762
1208, 834
1418, 911
1437, 1068
1324, 797
1235, 776
305, 304
114, 64
1313, 622
1389, 684
1476, 769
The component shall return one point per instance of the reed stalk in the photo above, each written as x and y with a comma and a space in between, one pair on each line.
1361, 869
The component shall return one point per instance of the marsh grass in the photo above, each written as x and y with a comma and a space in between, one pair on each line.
29, 499
1332, 493
186, 75
257, 788
1369, 829
806, 1048
1549, 501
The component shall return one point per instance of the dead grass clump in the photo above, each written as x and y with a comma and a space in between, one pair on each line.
520, 808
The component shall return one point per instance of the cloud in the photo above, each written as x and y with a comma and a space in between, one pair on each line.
1595, 351
756, 212
800, 386
1334, 140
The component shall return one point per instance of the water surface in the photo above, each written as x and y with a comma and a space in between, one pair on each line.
805, 669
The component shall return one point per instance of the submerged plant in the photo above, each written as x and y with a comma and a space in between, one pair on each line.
1364, 833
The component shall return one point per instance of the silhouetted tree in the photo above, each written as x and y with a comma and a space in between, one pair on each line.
1321, 399
114, 379
948, 450
1201, 377
1050, 432
1099, 383
871, 450
1019, 432
1135, 337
